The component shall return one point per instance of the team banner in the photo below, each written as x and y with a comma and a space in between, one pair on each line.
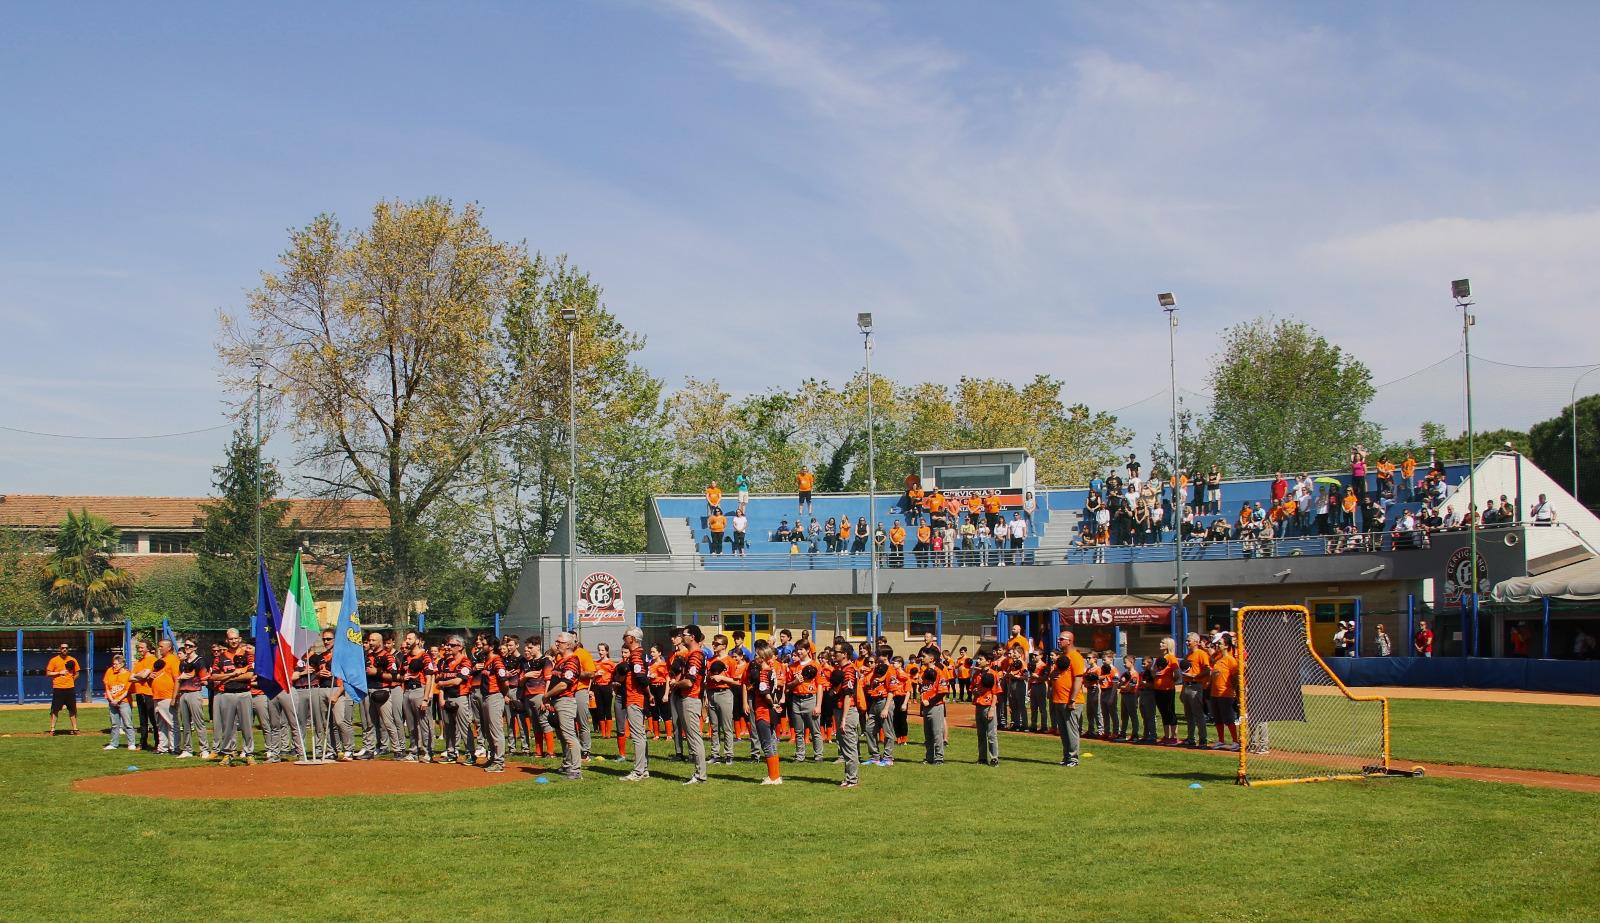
600, 600
1115, 615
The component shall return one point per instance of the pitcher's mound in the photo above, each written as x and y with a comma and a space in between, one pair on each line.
286, 780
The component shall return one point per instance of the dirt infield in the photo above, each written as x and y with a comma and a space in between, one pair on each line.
287, 780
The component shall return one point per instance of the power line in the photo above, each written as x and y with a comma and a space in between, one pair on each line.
192, 432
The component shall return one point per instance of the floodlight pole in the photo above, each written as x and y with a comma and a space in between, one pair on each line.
864, 321
1169, 304
1572, 405
570, 315
1462, 291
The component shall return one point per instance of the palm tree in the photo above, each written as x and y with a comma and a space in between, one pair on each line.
78, 576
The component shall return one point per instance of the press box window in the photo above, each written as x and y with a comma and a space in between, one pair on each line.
958, 476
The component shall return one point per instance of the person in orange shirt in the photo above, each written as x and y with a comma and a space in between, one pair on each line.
63, 672
974, 506
804, 708
991, 510
963, 676
900, 686
1408, 471
717, 526
803, 483
1222, 686
897, 545
454, 676
914, 499
713, 498
584, 694
143, 663
562, 701
686, 707
600, 708
1092, 709
1128, 699
1067, 695
936, 505
923, 546
635, 669
722, 681
879, 710
164, 694
850, 696
661, 711
1196, 666
491, 678
985, 692
118, 683
844, 535
1164, 685
766, 703
932, 692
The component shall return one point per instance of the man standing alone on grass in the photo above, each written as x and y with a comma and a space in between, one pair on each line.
63, 672
1067, 697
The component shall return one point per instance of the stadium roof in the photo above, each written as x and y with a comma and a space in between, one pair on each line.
45, 511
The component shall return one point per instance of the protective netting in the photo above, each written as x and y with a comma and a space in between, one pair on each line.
1300, 724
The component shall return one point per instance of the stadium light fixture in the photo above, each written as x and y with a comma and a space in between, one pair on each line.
1169, 304
864, 324
569, 314
1461, 291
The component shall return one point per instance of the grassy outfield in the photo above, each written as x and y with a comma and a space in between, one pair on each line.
1559, 738
1121, 835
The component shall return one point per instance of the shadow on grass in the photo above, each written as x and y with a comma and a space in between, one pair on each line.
1194, 776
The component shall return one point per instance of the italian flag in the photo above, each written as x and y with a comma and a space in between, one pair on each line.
298, 631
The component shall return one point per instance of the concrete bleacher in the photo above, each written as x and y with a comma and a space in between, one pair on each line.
1054, 523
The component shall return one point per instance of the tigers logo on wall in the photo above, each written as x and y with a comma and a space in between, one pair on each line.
600, 600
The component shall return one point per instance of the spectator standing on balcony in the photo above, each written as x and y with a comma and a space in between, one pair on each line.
985, 544
861, 536
969, 541
713, 498
718, 524
1214, 491
741, 522
914, 498
830, 535
991, 510
1422, 642
1384, 643
803, 483
1347, 508
924, 545
843, 544
1019, 535
1280, 488
1303, 494
1408, 470
1542, 513
897, 545
1358, 472
1385, 479
1002, 541
974, 505
1321, 512
742, 485
949, 544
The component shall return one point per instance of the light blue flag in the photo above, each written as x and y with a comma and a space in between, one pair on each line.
349, 657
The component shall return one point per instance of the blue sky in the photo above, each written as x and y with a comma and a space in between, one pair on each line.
1006, 186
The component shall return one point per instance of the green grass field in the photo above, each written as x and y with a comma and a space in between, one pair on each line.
1559, 738
1122, 835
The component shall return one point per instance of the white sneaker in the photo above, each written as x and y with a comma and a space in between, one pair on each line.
777, 781
206, 754
636, 776
109, 747
132, 747
186, 755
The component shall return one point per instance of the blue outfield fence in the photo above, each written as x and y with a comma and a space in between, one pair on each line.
25, 652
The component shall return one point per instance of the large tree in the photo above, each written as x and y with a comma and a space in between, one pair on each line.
1284, 399
79, 577
223, 586
1550, 447
22, 601
514, 495
386, 348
